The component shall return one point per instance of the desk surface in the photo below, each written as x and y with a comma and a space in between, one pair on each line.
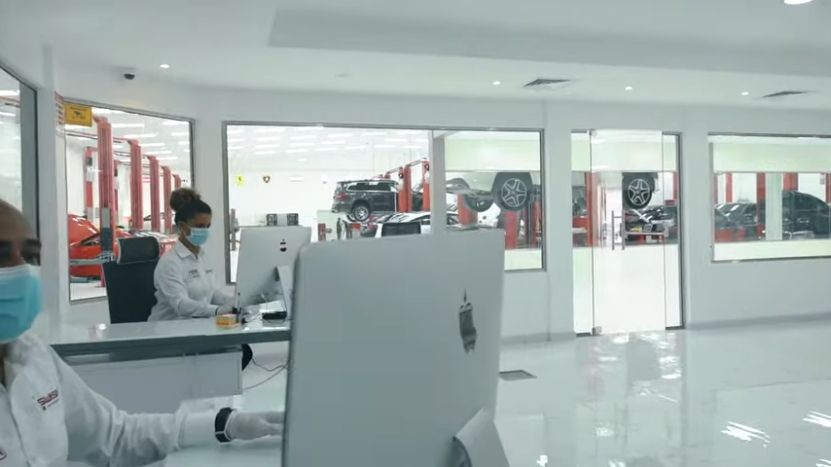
102, 338
264, 452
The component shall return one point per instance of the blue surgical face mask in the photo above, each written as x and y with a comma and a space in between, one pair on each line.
198, 236
20, 300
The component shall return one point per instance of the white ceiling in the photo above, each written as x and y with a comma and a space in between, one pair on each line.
695, 52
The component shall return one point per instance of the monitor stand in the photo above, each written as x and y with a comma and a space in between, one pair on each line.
477, 444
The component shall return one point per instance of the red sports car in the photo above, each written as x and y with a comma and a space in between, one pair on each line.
85, 244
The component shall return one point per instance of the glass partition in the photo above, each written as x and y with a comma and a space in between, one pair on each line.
18, 167
771, 196
121, 168
359, 183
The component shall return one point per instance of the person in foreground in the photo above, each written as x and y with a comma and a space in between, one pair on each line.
185, 284
49, 416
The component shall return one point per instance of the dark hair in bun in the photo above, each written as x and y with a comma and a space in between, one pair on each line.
187, 204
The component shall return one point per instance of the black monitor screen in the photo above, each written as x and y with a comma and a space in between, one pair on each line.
400, 228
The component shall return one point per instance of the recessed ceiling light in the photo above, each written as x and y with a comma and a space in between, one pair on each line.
128, 125
6, 93
164, 65
325, 149
340, 135
304, 137
172, 123
267, 146
797, 2
298, 150
385, 146
302, 144
352, 148
152, 145
234, 132
236, 140
497, 83
234, 148
302, 160
375, 133
745, 93
395, 140
180, 133
412, 146
184, 143
264, 153
334, 142
269, 130
270, 138
143, 135
628, 88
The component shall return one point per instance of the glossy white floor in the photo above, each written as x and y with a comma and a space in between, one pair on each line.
756, 396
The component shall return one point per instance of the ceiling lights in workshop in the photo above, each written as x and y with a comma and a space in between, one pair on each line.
745, 93
797, 2
628, 88
304, 137
8, 93
174, 123
497, 83
164, 65
182, 133
375, 133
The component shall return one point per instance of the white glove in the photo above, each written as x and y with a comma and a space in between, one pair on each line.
248, 426
224, 310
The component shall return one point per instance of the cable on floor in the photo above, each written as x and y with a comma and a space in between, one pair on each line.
278, 370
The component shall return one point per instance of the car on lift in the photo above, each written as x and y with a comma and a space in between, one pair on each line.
359, 199
512, 191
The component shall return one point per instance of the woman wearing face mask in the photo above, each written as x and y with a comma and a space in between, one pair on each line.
49, 416
185, 284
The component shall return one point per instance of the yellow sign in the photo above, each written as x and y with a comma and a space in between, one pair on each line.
75, 114
239, 180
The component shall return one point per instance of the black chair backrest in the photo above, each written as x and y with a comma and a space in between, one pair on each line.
131, 293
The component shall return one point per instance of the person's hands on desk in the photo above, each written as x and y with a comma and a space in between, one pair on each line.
231, 425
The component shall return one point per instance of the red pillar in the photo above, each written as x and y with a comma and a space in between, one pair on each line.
89, 175
715, 189
136, 186
511, 229
761, 195
728, 183
675, 186
155, 218
425, 185
466, 216
828, 188
177, 182
116, 216
167, 181
405, 190
106, 184
790, 182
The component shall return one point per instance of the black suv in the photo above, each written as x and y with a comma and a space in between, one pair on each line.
360, 198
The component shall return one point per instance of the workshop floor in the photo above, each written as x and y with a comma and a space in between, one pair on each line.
737, 397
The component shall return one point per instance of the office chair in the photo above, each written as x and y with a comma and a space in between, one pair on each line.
131, 293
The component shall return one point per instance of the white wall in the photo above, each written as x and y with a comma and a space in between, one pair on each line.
540, 302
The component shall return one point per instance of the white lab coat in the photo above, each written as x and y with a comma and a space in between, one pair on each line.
48, 416
186, 287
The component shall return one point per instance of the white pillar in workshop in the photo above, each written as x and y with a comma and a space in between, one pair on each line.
773, 206
52, 195
438, 186
208, 179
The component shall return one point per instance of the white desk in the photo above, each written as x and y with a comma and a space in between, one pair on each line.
264, 452
155, 366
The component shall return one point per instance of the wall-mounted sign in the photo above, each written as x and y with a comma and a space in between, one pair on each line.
76, 114
240, 181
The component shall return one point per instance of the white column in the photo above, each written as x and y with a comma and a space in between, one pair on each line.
209, 180
438, 185
773, 206
696, 209
52, 197
557, 222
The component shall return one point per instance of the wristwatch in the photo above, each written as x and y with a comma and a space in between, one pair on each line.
221, 425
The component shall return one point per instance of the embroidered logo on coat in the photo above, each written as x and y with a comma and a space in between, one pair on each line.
48, 400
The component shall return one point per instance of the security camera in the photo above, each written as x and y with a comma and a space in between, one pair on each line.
129, 74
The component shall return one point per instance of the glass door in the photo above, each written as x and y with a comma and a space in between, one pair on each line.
634, 212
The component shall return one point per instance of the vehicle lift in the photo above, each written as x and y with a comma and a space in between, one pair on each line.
405, 190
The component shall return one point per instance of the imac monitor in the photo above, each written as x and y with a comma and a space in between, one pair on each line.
392, 380
266, 264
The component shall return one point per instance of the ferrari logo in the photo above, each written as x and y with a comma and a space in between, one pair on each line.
266, 178
239, 180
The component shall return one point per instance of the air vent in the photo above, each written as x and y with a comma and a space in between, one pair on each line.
547, 84
784, 94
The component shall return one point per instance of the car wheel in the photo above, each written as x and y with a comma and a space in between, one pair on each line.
477, 203
361, 212
638, 189
512, 191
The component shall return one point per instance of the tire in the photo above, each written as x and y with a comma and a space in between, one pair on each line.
638, 189
361, 212
477, 203
512, 191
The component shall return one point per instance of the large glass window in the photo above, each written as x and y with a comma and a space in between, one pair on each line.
496, 177
771, 196
351, 183
102, 179
18, 167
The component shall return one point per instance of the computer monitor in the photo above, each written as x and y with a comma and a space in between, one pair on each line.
391, 379
266, 264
